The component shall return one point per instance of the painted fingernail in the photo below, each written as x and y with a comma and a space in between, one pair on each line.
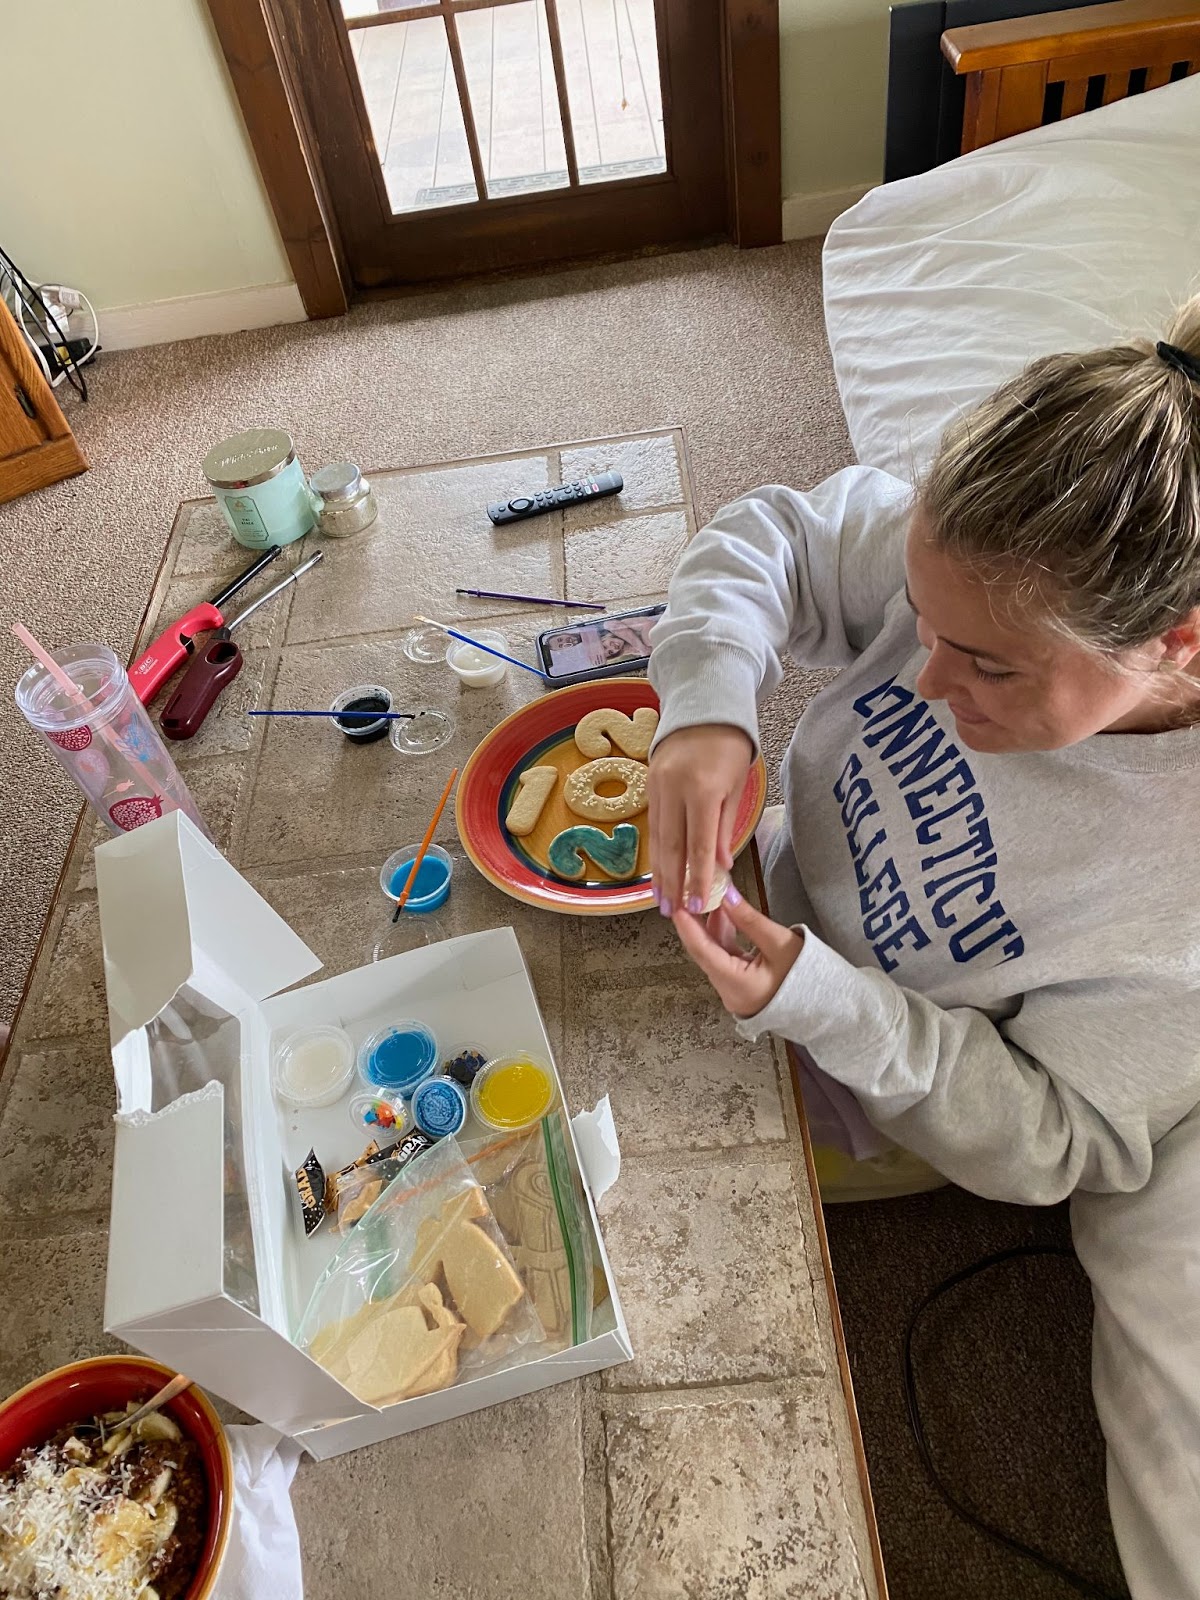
695, 905
732, 897
667, 909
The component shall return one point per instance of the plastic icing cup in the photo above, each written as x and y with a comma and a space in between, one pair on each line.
432, 886
379, 1116
314, 1067
364, 697
397, 1058
439, 1107
476, 669
513, 1092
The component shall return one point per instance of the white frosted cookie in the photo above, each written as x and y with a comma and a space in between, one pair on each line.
534, 788
634, 735
579, 791
721, 881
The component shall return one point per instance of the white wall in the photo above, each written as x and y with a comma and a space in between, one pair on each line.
126, 168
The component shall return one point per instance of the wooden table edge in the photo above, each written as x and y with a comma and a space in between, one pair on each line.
839, 1336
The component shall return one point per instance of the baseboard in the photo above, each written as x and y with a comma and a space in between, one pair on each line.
193, 315
806, 215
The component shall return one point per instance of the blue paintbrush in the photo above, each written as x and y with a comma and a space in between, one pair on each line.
487, 649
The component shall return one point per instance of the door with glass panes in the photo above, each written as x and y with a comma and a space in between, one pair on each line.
467, 136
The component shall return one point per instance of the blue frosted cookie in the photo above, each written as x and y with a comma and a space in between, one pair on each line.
615, 854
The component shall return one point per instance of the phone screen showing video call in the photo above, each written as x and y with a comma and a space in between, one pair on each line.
604, 642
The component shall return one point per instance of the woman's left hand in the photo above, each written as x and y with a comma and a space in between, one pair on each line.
746, 982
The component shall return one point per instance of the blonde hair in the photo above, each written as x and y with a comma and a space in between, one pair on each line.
1076, 489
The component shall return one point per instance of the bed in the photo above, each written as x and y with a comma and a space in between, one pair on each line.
1072, 234
939, 287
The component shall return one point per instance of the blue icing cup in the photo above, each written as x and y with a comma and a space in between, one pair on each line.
398, 1058
431, 887
439, 1107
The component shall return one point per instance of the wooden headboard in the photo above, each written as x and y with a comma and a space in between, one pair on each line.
1029, 71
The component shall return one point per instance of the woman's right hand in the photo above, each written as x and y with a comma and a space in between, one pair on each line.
696, 780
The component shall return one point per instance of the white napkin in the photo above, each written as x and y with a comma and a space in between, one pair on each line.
599, 1152
263, 1555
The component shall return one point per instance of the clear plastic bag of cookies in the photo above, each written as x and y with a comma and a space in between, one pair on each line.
423, 1291
532, 1183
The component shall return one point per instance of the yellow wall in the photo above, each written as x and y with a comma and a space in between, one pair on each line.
135, 181
834, 82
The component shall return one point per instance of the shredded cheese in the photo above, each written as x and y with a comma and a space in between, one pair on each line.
72, 1535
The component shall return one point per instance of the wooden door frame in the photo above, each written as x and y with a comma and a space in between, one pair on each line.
264, 75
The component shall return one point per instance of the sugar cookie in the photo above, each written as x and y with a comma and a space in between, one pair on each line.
721, 881
579, 791
534, 788
615, 854
634, 735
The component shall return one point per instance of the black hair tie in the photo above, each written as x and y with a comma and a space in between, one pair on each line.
1179, 359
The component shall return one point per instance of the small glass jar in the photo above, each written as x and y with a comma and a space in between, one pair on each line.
347, 501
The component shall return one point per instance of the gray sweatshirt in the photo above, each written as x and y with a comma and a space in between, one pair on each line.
1002, 952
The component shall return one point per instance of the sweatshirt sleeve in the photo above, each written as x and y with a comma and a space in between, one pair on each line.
992, 1106
775, 571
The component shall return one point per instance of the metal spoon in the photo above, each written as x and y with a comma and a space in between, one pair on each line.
156, 1401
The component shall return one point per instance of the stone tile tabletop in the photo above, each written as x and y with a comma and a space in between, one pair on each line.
721, 1460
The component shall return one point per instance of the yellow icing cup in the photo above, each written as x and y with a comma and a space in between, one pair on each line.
513, 1092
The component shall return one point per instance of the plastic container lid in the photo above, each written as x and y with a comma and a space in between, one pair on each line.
314, 1067
439, 1107
513, 1092
397, 1058
432, 887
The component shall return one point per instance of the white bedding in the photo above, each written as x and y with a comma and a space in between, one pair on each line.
939, 287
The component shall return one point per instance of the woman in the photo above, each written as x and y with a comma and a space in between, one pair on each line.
985, 897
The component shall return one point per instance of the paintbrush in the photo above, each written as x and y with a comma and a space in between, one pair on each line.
362, 716
534, 599
465, 638
425, 843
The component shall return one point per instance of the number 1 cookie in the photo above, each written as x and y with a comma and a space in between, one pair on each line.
534, 788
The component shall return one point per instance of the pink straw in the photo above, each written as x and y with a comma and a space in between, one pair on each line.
67, 684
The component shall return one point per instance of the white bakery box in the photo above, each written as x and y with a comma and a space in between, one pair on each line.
208, 1265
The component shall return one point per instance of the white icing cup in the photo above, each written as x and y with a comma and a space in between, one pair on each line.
475, 668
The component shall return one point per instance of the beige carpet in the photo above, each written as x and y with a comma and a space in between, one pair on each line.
732, 347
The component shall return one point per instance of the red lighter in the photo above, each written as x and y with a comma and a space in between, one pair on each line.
172, 647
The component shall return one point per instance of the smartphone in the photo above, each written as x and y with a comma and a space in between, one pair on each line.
603, 647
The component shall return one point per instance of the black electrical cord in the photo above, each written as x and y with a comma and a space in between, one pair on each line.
1048, 1564
37, 308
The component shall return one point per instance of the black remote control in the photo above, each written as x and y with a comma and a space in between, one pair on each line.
567, 494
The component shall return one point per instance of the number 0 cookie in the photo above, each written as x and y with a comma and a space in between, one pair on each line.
579, 791
633, 734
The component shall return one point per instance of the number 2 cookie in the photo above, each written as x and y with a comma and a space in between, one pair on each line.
616, 854
633, 734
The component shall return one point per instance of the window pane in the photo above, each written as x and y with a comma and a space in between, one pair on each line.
610, 52
374, 8
408, 84
510, 75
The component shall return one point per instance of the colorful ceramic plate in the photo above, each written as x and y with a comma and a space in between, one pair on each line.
543, 734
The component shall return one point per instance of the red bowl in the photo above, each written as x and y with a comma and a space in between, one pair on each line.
107, 1383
